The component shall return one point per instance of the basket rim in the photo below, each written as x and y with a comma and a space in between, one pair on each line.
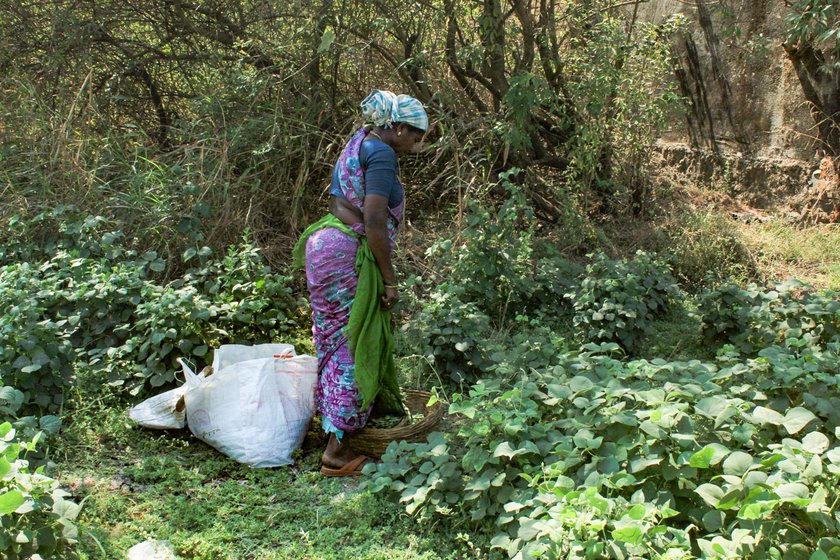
435, 413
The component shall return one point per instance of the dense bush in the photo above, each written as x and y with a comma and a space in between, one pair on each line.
449, 333
492, 261
791, 314
82, 299
598, 458
499, 284
617, 300
120, 316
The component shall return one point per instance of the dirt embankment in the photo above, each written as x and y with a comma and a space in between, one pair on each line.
746, 130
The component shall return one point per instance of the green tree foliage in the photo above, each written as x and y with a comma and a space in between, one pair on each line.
231, 112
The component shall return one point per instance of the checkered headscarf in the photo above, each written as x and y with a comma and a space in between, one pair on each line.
384, 108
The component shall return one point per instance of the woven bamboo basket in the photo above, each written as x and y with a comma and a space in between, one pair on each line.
374, 441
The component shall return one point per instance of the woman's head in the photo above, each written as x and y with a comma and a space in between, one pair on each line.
385, 109
406, 137
402, 116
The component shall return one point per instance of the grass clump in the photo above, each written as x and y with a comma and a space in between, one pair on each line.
783, 250
706, 244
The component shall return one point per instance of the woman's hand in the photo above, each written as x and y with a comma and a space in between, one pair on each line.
390, 298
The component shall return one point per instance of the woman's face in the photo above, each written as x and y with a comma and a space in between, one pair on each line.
406, 139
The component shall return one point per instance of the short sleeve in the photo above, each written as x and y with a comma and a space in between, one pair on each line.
380, 170
335, 188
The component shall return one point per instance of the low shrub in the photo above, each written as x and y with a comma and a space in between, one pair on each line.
498, 279
617, 300
491, 263
450, 333
790, 314
36, 516
120, 315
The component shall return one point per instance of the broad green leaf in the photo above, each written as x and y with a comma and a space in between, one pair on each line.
711, 407
189, 254
710, 493
814, 468
579, 384
712, 454
631, 534
7, 432
327, 39
501, 540
50, 424
818, 500
767, 416
797, 418
504, 449
12, 397
10, 501
791, 491
743, 434
737, 463
713, 520
67, 509
642, 463
758, 510
815, 442
637, 512
530, 529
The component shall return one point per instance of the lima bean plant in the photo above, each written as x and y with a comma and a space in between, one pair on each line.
596, 457
559, 451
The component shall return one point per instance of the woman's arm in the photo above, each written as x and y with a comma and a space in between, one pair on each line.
376, 230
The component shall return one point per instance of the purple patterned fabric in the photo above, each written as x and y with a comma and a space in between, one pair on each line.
331, 277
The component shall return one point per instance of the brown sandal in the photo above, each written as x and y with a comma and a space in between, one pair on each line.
351, 468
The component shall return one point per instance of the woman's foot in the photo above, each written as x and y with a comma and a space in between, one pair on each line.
336, 455
339, 459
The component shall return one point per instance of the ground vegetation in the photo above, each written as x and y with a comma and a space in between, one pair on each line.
625, 378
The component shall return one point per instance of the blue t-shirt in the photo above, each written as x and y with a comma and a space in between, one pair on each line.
381, 170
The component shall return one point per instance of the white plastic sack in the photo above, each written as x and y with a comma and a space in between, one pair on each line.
255, 411
151, 550
162, 412
229, 354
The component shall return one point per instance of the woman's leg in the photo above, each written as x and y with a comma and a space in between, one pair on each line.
331, 279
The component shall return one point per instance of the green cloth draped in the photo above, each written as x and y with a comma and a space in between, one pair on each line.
369, 328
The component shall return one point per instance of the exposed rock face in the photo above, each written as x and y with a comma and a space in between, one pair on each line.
746, 105
744, 93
